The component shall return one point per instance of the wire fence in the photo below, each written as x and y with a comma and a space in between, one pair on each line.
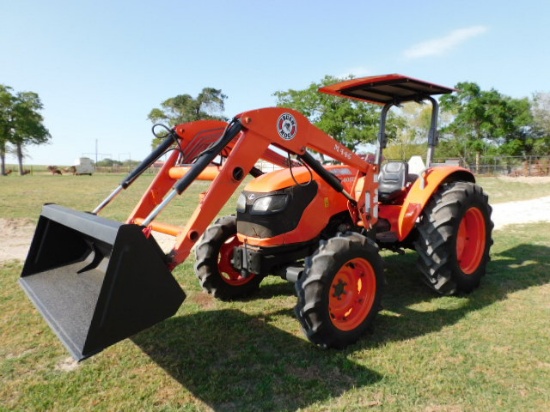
484, 165
505, 165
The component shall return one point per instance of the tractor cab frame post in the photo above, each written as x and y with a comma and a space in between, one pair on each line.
382, 137
433, 134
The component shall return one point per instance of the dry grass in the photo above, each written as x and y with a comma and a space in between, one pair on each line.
508, 189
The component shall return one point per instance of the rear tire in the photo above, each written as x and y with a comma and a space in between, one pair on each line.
454, 238
213, 267
339, 293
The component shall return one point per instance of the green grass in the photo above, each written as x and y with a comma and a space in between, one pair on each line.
22, 196
485, 351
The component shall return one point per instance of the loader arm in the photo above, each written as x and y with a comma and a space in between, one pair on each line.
194, 139
286, 129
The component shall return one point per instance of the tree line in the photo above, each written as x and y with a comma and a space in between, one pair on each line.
473, 121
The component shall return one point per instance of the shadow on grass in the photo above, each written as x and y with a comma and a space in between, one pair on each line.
512, 270
234, 361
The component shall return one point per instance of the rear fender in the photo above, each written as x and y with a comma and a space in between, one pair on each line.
422, 191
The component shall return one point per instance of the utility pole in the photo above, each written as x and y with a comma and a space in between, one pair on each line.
97, 153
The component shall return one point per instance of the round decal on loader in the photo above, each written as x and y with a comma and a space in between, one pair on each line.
287, 126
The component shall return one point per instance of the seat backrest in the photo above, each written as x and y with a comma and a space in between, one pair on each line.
392, 180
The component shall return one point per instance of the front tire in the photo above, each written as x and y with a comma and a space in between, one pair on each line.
213, 267
454, 238
339, 293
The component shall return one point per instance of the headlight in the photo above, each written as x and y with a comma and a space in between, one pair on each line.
269, 204
241, 203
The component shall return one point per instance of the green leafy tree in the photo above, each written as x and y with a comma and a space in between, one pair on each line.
518, 134
541, 123
482, 120
183, 108
21, 123
541, 111
351, 122
29, 127
6, 103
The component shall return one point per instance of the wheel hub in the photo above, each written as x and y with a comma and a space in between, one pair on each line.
339, 289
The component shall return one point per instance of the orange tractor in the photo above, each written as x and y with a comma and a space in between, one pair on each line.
97, 281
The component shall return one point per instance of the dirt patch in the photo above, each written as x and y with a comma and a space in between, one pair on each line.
17, 233
16, 238
525, 179
523, 211
67, 364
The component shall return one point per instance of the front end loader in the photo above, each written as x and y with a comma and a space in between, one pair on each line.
97, 281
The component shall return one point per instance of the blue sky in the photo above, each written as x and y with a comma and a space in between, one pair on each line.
100, 66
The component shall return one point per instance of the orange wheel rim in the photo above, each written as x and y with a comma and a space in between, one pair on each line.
470, 243
228, 273
352, 294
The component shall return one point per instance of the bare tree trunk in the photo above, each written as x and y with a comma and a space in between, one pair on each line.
2, 159
20, 158
3, 164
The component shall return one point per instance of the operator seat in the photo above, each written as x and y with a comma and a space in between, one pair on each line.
392, 180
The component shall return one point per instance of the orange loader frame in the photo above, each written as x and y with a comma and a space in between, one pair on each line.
250, 137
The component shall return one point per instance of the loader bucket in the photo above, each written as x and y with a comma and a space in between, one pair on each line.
96, 281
